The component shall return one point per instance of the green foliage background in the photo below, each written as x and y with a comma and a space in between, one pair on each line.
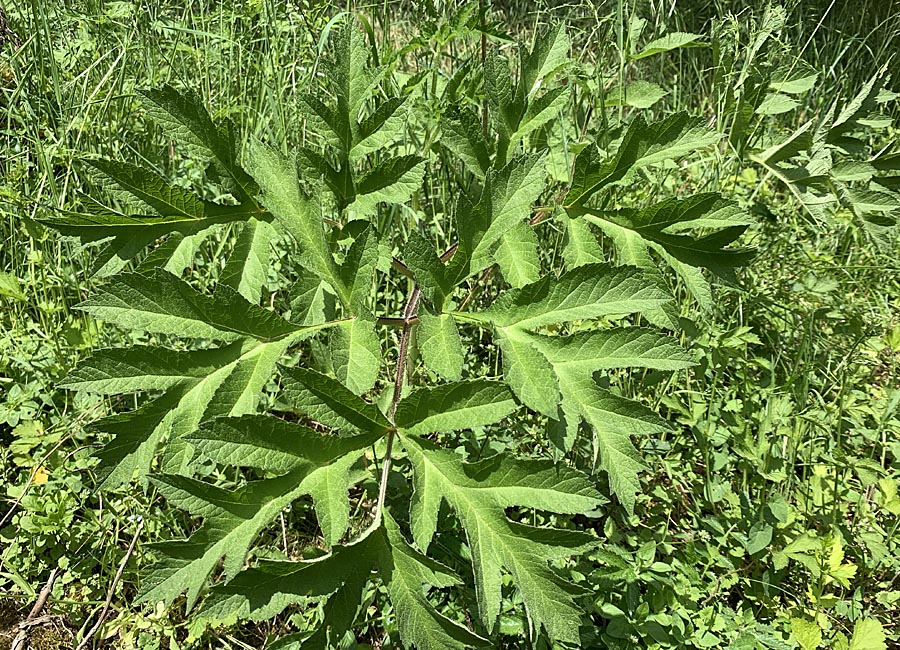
767, 518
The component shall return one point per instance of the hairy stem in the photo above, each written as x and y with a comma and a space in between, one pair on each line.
409, 315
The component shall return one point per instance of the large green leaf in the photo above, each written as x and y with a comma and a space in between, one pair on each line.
461, 133
518, 108
621, 347
342, 575
313, 300
358, 269
381, 129
664, 228
175, 254
506, 201
160, 302
540, 112
350, 131
554, 375
574, 360
146, 190
581, 246
233, 519
501, 94
391, 181
298, 214
349, 74
178, 209
517, 255
142, 368
330, 402
129, 234
531, 110
271, 444
247, 268
187, 122
197, 384
549, 54
265, 590
479, 494
430, 273
98, 224
642, 145
421, 625
356, 353
528, 372
326, 120
449, 407
589, 291
440, 345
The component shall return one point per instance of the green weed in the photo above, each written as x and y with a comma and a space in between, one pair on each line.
760, 511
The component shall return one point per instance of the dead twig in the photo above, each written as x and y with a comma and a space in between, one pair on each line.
40, 620
44, 595
112, 588
32, 618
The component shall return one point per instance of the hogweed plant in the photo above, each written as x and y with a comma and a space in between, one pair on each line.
371, 402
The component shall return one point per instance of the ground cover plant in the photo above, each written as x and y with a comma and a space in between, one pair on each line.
435, 327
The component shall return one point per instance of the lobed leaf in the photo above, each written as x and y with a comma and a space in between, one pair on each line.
382, 128
183, 116
642, 145
358, 269
160, 302
589, 291
450, 407
200, 385
149, 191
392, 181
440, 345
662, 228
554, 375
298, 214
356, 353
330, 402
233, 519
247, 268
517, 256
506, 200
428, 270
497, 543
550, 53
342, 576
462, 134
